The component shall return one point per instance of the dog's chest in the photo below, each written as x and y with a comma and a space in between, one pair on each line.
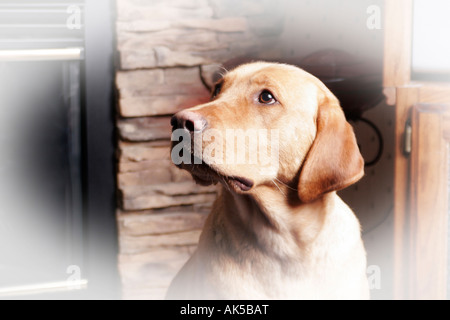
318, 272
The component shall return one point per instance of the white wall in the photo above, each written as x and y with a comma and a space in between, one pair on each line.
431, 36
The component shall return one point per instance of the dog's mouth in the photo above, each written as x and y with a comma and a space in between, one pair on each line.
242, 183
205, 175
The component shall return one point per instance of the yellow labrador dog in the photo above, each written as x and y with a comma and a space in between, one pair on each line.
281, 232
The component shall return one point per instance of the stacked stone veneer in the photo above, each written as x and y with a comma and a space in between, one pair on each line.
168, 52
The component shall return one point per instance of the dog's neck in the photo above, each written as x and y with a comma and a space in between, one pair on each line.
266, 219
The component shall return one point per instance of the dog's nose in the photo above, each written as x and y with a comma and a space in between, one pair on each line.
191, 121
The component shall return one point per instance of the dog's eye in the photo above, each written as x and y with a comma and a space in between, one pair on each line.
266, 97
216, 90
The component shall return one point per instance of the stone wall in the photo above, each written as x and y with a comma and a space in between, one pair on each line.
168, 51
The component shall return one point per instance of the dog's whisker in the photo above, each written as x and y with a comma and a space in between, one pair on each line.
223, 71
225, 183
284, 184
278, 187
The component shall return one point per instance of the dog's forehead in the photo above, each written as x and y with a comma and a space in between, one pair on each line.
268, 72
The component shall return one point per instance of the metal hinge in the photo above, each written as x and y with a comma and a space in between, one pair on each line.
407, 142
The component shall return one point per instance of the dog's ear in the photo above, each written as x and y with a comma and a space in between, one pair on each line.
334, 161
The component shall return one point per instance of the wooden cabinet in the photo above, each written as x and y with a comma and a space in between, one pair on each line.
421, 165
429, 200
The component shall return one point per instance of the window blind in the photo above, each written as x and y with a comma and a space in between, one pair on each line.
28, 24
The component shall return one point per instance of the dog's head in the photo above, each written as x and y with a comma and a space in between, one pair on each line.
269, 124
